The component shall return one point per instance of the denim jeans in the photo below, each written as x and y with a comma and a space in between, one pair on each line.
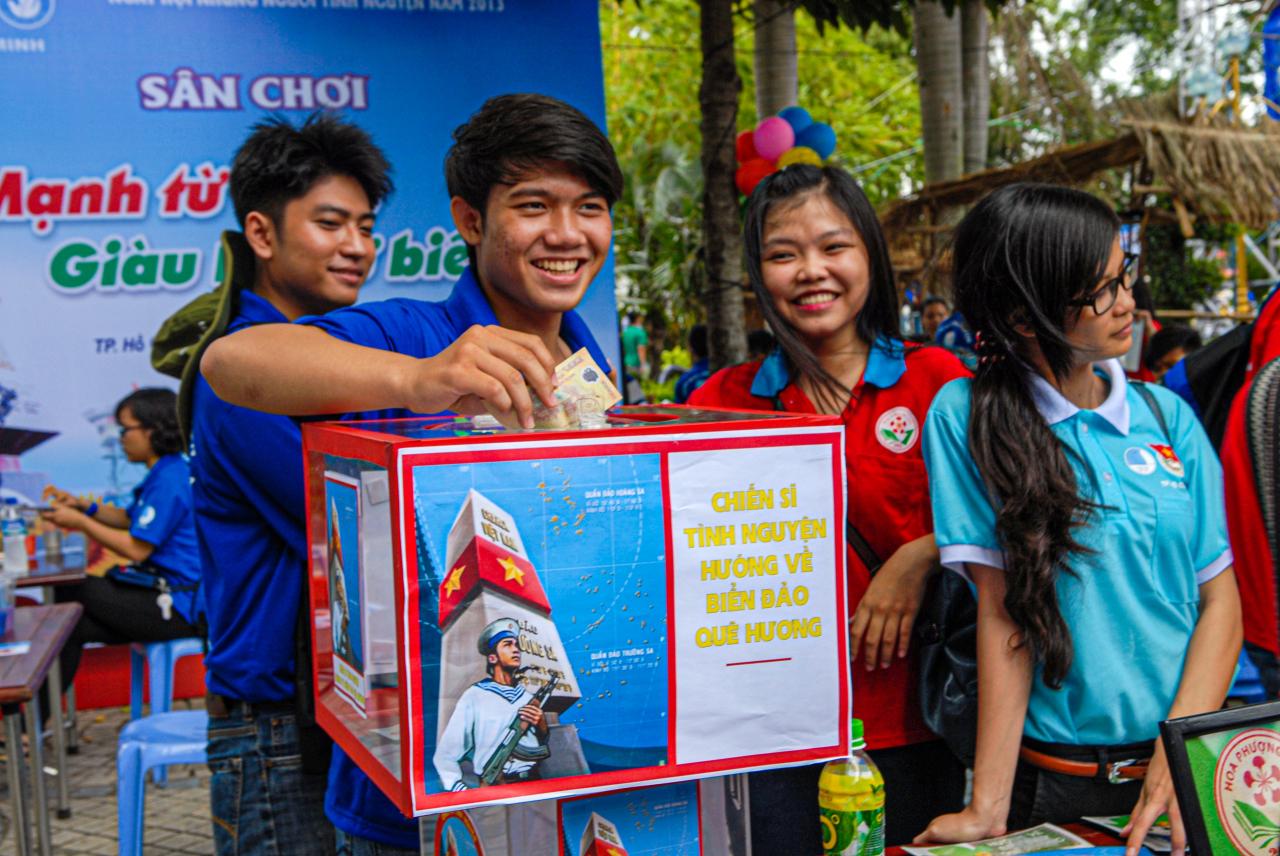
354, 845
262, 803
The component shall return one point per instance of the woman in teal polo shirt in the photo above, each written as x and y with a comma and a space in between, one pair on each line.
1089, 516
155, 600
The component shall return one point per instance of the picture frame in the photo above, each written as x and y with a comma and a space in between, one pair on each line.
1226, 775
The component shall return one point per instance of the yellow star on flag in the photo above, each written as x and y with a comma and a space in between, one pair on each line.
454, 581
513, 571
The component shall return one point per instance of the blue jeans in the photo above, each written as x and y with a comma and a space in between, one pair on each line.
354, 845
262, 803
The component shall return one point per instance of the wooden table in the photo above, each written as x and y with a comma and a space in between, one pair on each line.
48, 572
47, 629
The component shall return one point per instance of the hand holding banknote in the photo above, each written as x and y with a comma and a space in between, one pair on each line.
580, 387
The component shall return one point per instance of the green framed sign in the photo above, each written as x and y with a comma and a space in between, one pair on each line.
1226, 772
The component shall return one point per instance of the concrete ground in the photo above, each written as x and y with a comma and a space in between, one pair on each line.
177, 816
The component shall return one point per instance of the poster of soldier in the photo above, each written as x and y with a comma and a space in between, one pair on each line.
569, 617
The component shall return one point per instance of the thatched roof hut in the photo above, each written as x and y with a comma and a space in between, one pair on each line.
1206, 166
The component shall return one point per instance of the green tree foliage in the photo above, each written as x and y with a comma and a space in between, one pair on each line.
862, 85
1179, 280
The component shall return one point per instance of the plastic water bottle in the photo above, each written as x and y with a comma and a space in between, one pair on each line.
851, 802
14, 530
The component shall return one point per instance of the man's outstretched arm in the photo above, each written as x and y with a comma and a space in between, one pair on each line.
303, 371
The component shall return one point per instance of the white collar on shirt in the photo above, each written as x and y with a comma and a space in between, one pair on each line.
1054, 407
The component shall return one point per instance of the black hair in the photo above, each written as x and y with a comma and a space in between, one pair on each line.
932, 299
1020, 256
759, 342
155, 408
879, 315
511, 136
1168, 339
698, 340
279, 163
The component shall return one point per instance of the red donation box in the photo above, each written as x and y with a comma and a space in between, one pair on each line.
507, 616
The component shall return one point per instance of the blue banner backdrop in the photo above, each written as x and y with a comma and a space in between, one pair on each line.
120, 118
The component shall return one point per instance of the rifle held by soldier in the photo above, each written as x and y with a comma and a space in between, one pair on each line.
510, 741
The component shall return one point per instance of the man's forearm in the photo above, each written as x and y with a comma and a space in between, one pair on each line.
303, 371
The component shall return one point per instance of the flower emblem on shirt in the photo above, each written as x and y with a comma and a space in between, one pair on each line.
897, 429
1246, 787
1168, 460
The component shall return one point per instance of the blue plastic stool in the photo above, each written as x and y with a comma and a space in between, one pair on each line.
177, 737
1248, 683
161, 659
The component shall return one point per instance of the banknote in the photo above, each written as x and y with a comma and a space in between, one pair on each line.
579, 378
581, 388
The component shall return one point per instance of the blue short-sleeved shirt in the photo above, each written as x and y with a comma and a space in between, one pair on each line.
250, 514
1133, 603
160, 514
418, 329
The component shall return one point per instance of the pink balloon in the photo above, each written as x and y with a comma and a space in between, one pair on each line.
774, 136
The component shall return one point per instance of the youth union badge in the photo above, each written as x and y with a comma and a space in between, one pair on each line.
1140, 460
26, 14
1246, 790
897, 430
1169, 460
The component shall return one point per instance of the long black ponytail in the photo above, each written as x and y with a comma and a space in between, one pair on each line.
1021, 255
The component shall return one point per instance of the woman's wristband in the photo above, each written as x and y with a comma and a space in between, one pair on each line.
92, 509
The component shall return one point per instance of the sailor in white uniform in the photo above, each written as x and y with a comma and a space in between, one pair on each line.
486, 710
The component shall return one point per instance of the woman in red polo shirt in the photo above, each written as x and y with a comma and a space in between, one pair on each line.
820, 269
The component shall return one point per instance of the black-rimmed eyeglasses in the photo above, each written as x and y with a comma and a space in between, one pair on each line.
1104, 296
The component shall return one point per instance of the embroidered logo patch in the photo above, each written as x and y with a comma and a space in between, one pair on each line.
1140, 460
1246, 789
1169, 460
897, 430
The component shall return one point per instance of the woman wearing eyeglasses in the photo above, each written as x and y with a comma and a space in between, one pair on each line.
1088, 512
154, 599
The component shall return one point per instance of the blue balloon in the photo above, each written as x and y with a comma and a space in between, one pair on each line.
797, 117
819, 137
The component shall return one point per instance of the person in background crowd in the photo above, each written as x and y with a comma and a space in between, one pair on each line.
820, 269
954, 335
1088, 513
635, 356
760, 344
532, 183
698, 373
305, 199
934, 313
154, 599
1169, 345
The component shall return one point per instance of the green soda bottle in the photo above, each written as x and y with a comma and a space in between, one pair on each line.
851, 802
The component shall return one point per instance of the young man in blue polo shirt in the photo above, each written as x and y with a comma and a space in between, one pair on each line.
305, 200
532, 182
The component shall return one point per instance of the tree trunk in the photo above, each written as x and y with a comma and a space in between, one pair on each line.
977, 83
937, 37
721, 230
775, 56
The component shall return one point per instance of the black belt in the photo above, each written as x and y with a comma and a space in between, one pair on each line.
223, 706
